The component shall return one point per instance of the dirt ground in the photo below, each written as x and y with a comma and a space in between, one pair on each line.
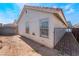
20, 46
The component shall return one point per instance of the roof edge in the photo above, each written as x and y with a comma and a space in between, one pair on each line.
36, 8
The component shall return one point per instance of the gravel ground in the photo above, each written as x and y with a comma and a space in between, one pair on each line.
20, 46
13, 45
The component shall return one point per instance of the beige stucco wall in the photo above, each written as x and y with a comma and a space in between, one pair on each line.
33, 17
59, 29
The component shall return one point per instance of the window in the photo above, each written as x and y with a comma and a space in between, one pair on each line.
44, 28
27, 27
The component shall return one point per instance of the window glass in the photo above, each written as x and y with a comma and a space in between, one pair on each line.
27, 27
44, 28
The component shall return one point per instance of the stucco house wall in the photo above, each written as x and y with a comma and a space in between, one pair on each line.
59, 29
33, 17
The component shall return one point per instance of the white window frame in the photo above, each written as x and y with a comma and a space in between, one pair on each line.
41, 28
27, 27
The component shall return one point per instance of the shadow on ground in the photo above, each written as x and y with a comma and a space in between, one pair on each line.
42, 50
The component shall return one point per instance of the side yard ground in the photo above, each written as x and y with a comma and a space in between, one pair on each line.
17, 45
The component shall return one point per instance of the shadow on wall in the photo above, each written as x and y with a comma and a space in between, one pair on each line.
41, 49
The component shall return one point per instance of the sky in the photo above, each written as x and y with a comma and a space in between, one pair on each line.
9, 12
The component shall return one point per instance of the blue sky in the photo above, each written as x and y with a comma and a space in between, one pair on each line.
11, 11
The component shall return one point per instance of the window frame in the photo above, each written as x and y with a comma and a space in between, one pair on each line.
27, 27
44, 28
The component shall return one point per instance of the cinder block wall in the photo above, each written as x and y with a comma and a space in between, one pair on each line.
8, 30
